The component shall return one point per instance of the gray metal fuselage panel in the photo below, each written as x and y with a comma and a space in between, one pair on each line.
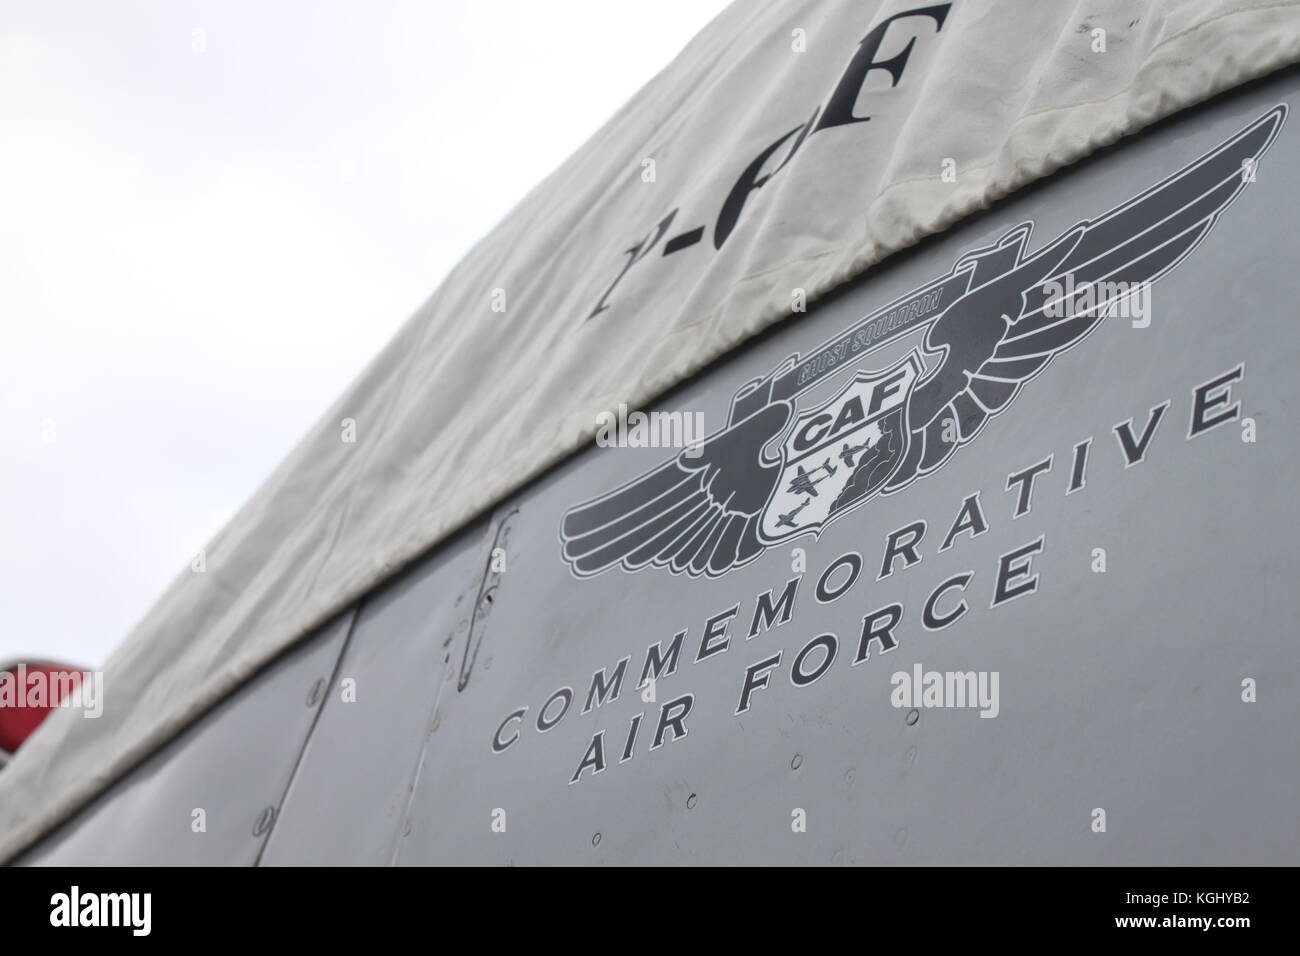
1119, 690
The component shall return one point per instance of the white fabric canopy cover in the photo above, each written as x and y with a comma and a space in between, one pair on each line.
759, 138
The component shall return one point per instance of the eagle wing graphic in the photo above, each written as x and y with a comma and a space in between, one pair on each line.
999, 335
701, 513
694, 514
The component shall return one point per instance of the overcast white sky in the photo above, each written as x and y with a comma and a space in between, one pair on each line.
212, 214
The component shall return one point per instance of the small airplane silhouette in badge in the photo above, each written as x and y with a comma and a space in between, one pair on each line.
805, 484
847, 453
787, 520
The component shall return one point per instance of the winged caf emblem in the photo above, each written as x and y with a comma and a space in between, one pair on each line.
994, 322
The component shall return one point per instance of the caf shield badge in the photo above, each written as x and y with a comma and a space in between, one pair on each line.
839, 454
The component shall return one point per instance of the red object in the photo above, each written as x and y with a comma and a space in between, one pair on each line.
28, 692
